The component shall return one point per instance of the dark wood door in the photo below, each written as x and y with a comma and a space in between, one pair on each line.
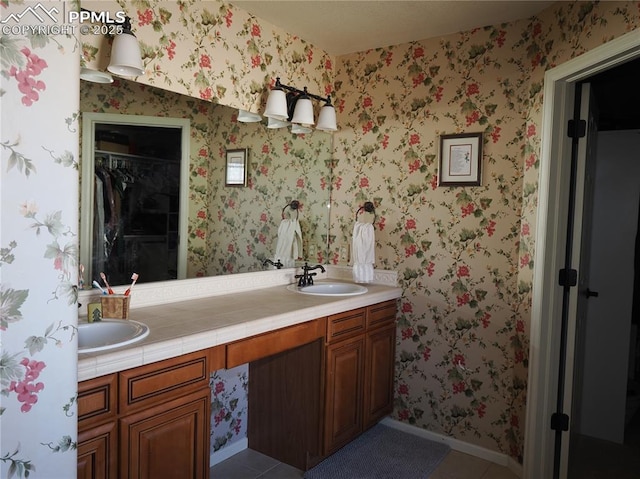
344, 386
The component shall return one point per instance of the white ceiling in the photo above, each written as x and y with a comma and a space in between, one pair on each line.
345, 26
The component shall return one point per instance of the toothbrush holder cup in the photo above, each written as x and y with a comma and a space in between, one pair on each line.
115, 306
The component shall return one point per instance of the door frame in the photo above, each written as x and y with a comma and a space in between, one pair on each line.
550, 238
87, 193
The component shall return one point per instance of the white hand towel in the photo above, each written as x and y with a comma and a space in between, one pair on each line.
363, 252
289, 243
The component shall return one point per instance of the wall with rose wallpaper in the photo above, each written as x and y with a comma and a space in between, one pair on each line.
211, 50
38, 253
243, 222
464, 255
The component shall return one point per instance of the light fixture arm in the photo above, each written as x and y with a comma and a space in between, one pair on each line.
282, 86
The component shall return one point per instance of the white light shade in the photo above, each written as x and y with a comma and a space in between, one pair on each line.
327, 119
272, 123
300, 129
95, 76
245, 116
125, 56
277, 105
303, 113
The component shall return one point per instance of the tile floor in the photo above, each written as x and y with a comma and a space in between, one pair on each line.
250, 464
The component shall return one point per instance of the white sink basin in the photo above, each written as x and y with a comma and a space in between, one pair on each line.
330, 289
109, 334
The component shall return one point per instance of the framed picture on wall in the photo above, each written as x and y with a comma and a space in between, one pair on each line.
236, 169
460, 159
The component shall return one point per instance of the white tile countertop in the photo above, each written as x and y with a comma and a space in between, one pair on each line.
208, 319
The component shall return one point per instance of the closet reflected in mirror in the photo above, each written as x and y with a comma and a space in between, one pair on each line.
137, 197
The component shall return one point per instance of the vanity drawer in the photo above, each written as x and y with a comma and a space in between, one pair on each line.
97, 400
274, 342
381, 314
159, 382
345, 325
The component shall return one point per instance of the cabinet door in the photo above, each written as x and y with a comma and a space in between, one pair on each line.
343, 405
97, 452
169, 440
379, 374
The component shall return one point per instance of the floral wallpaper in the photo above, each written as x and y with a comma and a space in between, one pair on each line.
38, 252
211, 50
283, 167
464, 255
232, 229
229, 408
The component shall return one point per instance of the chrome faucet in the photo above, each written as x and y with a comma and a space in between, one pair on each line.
306, 278
278, 264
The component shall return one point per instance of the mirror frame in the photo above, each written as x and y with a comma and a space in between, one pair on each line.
87, 194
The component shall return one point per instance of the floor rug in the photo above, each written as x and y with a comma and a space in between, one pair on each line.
382, 452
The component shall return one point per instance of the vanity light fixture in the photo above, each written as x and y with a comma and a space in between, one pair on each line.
300, 129
125, 53
126, 59
95, 76
272, 123
303, 110
245, 116
295, 106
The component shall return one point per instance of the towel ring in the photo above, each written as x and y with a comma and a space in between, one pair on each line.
369, 208
294, 205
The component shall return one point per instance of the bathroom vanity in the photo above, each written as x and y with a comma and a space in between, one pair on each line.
150, 421
320, 373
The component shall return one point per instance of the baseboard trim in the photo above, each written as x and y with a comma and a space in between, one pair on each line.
226, 452
458, 445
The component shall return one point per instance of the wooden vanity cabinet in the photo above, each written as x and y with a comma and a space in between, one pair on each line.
98, 428
344, 392
148, 422
170, 439
165, 419
360, 360
380, 356
314, 387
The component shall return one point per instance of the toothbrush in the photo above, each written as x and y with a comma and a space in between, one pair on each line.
96, 285
104, 278
134, 277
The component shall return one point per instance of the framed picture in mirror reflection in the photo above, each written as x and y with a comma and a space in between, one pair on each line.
236, 167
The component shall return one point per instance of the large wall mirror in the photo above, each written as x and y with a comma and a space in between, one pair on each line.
222, 229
